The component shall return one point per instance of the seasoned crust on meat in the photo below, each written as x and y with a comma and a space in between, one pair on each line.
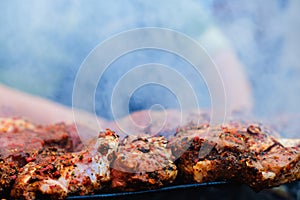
18, 137
235, 152
8, 173
240, 152
142, 163
21, 142
65, 174
14, 125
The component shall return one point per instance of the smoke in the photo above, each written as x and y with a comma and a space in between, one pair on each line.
43, 44
266, 38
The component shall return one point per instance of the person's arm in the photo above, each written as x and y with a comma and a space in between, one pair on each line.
237, 86
236, 83
14, 103
36, 109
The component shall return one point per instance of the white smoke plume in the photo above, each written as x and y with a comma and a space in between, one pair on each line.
43, 44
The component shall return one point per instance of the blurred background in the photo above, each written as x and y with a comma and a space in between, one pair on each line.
255, 44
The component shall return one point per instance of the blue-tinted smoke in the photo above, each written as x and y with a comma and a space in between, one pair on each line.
43, 43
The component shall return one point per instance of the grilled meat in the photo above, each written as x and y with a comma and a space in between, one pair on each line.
14, 125
20, 137
8, 173
36, 160
11, 167
142, 163
156, 122
21, 142
289, 142
65, 174
235, 152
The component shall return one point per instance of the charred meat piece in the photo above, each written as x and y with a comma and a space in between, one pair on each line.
8, 173
11, 167
20, 137
64, 174
14, 125
142, 163
235, 152
289, 142
162, 123
21, 142
279, 165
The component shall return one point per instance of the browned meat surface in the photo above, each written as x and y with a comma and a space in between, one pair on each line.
235, 152
37, 163
11, 167
156, 122
22, 142
289, 142
8, 173
61, 174
14, 125
20, 137
142, 163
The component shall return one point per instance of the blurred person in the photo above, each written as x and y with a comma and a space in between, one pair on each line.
44, 43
